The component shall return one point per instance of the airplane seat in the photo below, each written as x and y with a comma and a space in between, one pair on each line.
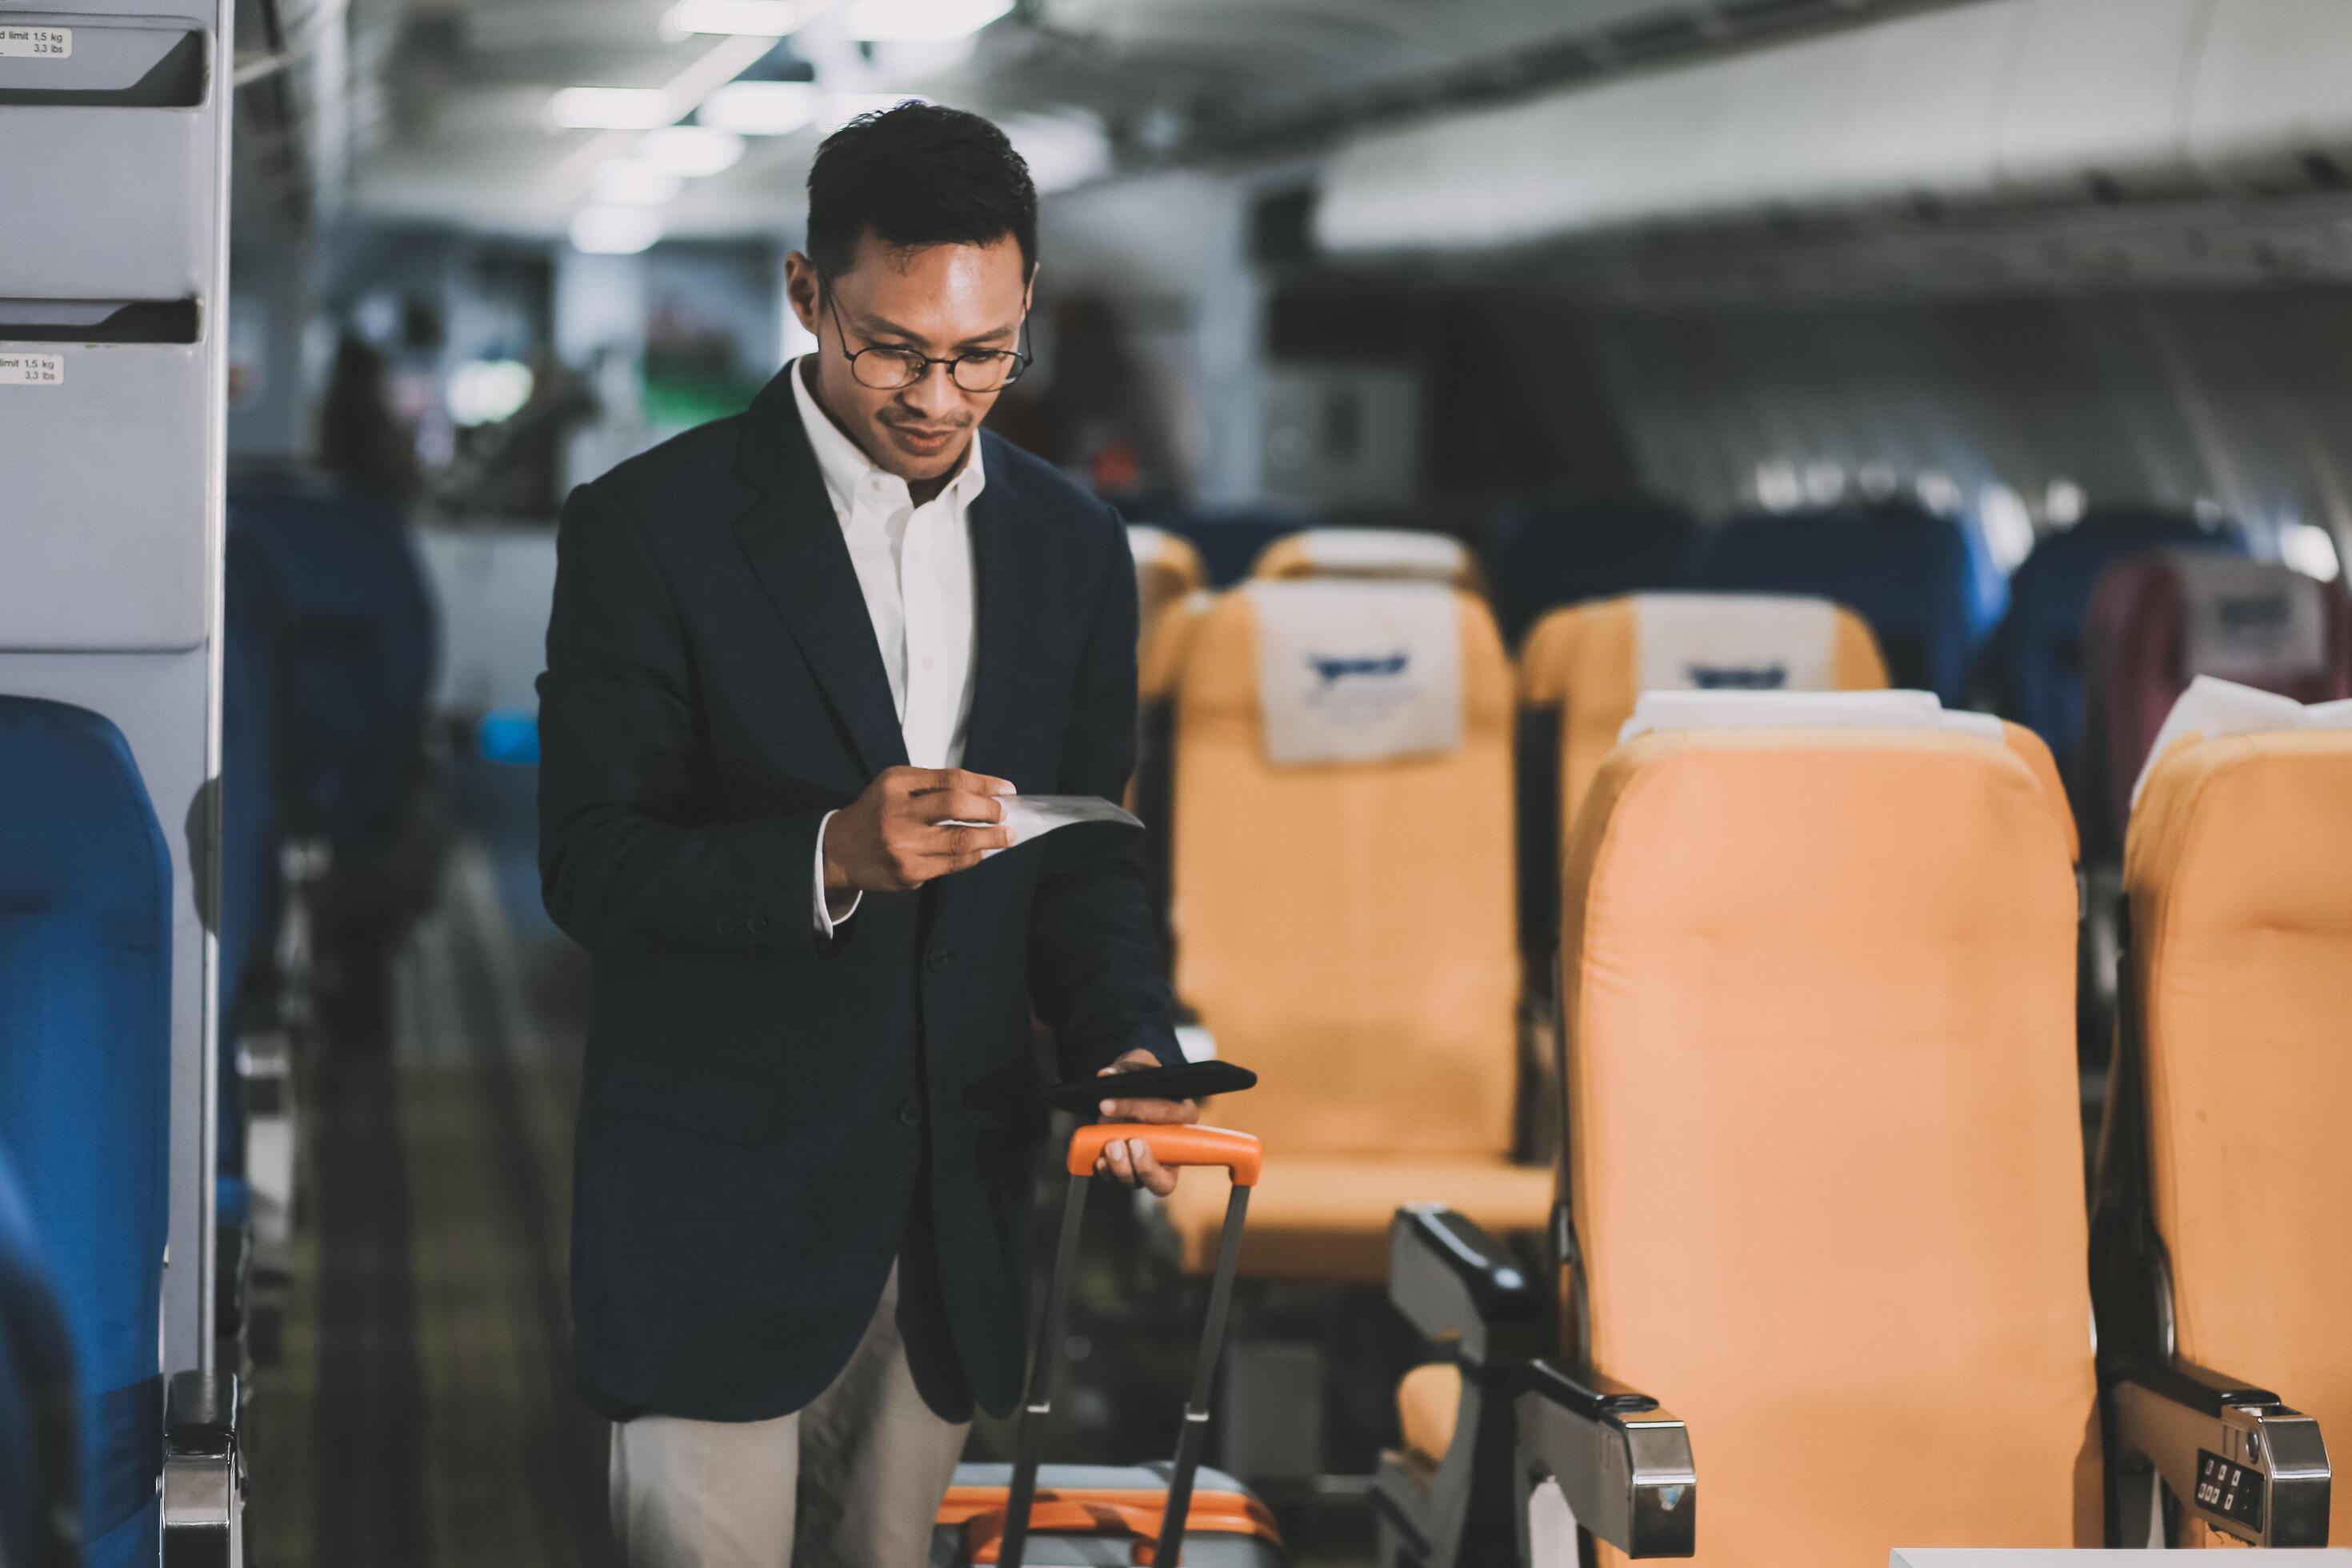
41, 1491
1384, 554
2158, 621
1551, 555
1167, 643
1583, 669
85, 1086
2225, 1163
1167, 568
1822, 1159
1910, 574
2036, 656
1231, 539
1343, 905
351, 633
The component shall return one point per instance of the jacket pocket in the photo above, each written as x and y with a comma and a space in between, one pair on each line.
689, 1092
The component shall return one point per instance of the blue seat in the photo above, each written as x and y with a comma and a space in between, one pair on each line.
1913, 575
86, 903
39, 1491
341, 593
1555, 554
2035, 658
1230, 541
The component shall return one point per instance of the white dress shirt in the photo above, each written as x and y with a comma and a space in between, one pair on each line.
914, 567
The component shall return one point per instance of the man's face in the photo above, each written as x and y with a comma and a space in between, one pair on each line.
939, 300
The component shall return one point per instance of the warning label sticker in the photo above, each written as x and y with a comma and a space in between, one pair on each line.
42, 43
32, 369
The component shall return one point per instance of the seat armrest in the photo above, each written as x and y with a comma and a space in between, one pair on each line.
1622, 1463
204, 1472
1457, 1285
2233, 1454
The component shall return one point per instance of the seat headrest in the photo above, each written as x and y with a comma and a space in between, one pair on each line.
1735, 642
2211, 707
2253, 620
1356, 671
1368, 552
1664, 710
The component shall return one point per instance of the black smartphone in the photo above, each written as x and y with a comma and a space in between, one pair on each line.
1193, 1080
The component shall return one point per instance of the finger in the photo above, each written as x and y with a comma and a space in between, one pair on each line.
1148, 1171
963, 780
1164, 1113
958, 842
958, 804
1121, 1166
1161, 1182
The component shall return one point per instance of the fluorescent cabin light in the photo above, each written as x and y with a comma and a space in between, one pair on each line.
634, 183
611, 109
921, 21
615, 231
761, 108
748, 19
692, 151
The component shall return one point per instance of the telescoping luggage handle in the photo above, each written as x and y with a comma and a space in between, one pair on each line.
1172, 1146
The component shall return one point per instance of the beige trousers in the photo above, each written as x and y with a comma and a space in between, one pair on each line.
851, 1481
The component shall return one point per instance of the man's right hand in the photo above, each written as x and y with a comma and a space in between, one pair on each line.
891, 840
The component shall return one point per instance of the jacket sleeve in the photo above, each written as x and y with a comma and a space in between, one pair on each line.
1094, 966
624, 861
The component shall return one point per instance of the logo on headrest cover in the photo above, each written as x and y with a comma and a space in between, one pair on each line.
1332, 670
1760, 677
2251, 615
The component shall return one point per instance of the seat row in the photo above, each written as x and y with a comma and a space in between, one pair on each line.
1818, 1255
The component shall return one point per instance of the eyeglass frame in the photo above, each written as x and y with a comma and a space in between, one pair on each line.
1020, 357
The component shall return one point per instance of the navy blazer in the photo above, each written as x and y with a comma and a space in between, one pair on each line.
758, 1101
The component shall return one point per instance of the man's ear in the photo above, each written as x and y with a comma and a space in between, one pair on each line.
1029, 290
801, 287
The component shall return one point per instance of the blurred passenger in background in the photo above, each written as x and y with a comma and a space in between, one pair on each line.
363, 442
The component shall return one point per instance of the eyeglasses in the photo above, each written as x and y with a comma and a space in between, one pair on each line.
891, 369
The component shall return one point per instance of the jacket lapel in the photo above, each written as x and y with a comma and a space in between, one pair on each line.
794, 544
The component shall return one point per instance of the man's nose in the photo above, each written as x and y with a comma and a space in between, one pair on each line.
935, 394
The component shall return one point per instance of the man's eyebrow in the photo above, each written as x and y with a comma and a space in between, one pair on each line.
882, 326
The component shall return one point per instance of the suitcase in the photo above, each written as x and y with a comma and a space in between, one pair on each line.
1092, 1516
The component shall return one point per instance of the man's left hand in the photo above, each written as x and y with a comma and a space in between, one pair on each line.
1130, 1162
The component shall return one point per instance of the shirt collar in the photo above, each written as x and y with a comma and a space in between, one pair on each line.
847, 470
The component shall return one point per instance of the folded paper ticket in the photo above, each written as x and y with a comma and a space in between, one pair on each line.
1031, 816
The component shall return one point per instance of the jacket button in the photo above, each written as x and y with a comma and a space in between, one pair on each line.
757, 925
911, 1114
726, 925
939, 959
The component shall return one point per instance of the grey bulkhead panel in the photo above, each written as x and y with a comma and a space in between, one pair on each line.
112, 155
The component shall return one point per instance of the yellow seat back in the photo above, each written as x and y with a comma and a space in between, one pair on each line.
1167, 568
1395, 555
1345, 929
2238, 868
1823, 1148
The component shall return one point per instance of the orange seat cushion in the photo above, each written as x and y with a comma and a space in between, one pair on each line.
2238, 868
1825, 1137
1429, 1401
1328, 1220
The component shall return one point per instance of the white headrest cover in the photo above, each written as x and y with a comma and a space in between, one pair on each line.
1734, 642
1662, 711
2212, 708
1146, 543
1358, 672
2251, 619
1385, 552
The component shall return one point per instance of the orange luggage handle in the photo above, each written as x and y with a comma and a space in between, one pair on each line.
1236, 1152
1239, 1153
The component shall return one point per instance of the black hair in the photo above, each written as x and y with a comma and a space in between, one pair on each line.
918, 175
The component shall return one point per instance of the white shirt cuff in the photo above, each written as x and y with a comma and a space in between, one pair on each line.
825, 923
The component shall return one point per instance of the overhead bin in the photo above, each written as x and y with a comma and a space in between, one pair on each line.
2269, 110
122, 109
1929, 106
2098, 104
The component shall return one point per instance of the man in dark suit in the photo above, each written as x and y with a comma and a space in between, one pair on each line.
796, 659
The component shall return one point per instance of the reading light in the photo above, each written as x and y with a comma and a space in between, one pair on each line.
615, 231
921, 21
691, 150
761, 108
611, 109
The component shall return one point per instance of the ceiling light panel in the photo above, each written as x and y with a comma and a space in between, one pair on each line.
693, 152
615, 231
761, 108
611, 109
920, 21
